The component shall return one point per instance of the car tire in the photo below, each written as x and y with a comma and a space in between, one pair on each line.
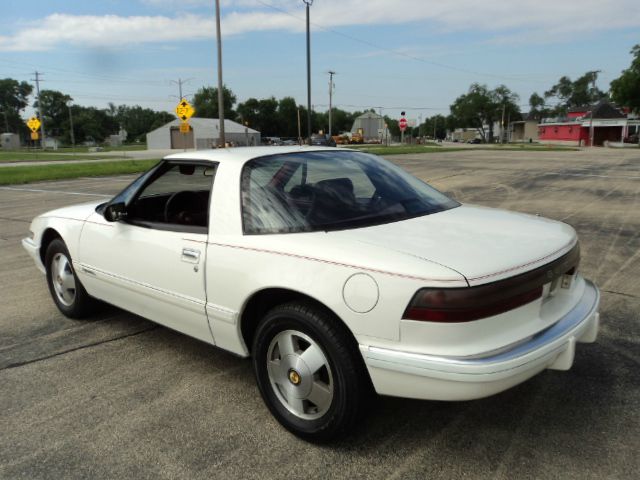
309, 371
66, 290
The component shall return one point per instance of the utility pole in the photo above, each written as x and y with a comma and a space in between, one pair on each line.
181, 82
73, 136
299, 129
331, 74
308, 3
37, 80
435, 123
221, 137
591, 130
502, 125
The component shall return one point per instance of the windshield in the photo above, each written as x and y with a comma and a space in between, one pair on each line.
321, 191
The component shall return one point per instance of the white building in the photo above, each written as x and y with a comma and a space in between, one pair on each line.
9, 141
371, 125
203, 134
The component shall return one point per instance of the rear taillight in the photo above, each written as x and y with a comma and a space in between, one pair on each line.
474, 303
465, 304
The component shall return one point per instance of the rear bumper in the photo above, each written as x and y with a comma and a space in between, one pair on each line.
413, 375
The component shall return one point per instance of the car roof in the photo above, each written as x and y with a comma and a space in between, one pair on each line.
243, 154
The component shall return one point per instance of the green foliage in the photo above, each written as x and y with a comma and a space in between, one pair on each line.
279, 118
481, 107
261, 115
437, 123
13, 99
138, 121
537, 107
54, 108
575, 93
91, 124
26, 174
205, 102
625, 90
12, 156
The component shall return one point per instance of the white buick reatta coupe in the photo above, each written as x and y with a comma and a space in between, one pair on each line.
335, 270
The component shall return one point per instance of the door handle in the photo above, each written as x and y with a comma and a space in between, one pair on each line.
190, 255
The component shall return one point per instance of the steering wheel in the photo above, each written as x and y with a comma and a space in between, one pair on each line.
181, 205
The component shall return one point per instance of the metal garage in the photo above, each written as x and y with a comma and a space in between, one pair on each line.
203, 134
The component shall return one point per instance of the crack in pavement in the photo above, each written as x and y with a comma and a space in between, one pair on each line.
82, 347
621, 293
15, 220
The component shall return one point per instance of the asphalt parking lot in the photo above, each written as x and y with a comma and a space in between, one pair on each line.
118, 397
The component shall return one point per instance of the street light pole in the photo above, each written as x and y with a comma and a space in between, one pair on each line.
221, 140
308, 3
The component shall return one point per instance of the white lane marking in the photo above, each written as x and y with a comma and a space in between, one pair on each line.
589, 175
53, 191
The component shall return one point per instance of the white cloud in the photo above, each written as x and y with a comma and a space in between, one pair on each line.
529, 21
106, 31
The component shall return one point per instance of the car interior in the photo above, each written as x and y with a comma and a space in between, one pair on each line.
179, 196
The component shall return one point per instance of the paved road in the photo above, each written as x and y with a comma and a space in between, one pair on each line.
94, 157
118, 397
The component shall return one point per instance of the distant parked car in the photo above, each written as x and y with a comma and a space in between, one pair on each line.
335, 270
475, 141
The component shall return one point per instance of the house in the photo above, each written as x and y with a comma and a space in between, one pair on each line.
595, 125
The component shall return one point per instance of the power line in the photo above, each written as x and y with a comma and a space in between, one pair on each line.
389, 50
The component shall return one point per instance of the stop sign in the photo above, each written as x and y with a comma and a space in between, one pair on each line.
402, 124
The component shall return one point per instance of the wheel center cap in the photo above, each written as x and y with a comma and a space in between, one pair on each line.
59, 279
294, 377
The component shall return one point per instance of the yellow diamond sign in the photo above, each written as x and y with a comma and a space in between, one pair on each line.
184, 110
33, 124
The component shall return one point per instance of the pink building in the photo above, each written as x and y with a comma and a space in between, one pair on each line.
609, 125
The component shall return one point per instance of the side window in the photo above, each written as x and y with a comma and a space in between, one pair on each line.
177, 196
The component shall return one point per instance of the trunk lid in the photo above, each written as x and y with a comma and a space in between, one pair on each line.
483, 244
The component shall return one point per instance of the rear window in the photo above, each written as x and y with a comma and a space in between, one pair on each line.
332, 190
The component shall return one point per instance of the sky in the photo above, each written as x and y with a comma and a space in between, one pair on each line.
391, 55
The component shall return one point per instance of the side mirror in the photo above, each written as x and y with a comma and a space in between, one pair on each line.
115, 212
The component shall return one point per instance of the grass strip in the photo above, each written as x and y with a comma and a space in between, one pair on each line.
27, 174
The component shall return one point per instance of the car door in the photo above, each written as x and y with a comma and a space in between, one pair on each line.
151, 262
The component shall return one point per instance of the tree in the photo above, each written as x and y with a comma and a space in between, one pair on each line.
341, 121
392, 126
13, 99
205, 102
574, 94
480, 108
288, 117
138, 121
92, 124
261, 115
437, 123
53, 106
625, 90
537, 107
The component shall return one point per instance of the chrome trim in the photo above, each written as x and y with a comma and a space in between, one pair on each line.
542, 345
